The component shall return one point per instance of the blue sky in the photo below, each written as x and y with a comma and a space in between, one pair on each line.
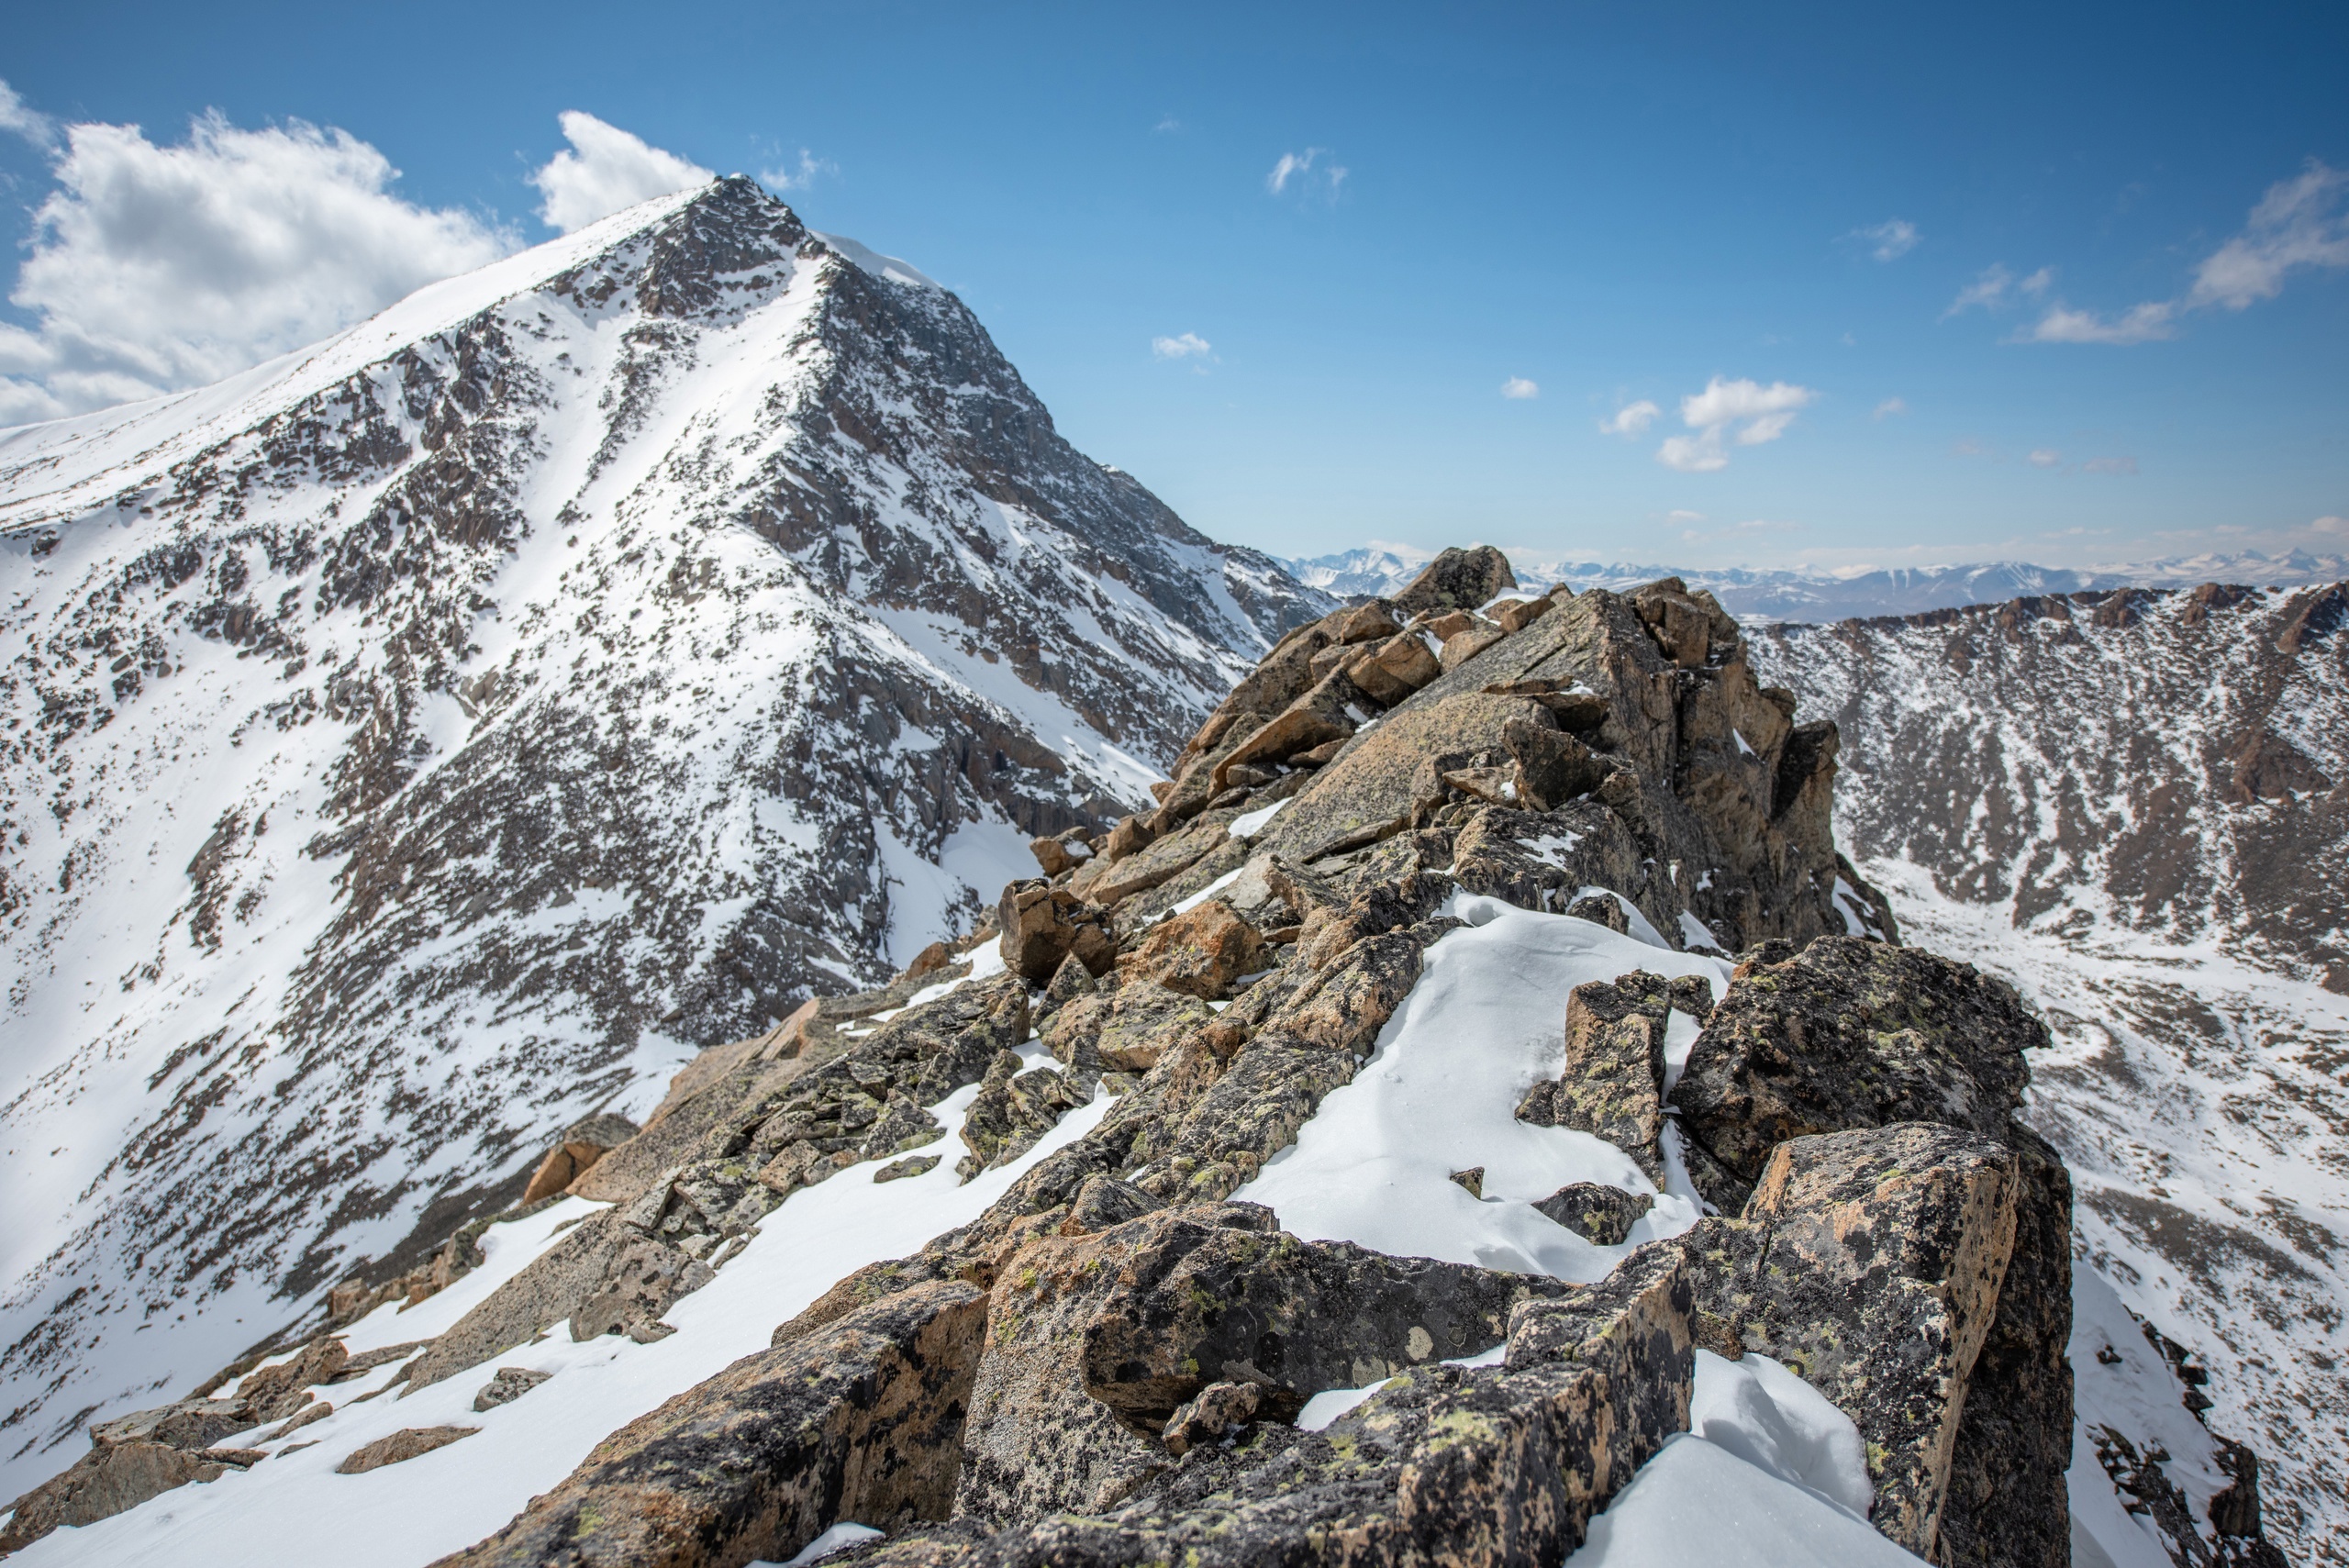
1617, 209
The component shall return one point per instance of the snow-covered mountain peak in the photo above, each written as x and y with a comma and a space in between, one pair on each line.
415, 743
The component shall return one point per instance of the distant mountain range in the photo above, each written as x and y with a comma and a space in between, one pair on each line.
1816, 597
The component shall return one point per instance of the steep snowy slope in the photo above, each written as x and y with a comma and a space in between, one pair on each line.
2135, 806
412, 744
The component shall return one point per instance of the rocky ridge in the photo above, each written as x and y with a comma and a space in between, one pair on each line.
1125, 1357
416, 746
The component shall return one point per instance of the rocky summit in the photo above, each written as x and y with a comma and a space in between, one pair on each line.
1473, 1115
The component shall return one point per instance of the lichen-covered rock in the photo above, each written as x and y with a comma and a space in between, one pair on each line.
1871, 1263
1126, 1029
859, 1421
1480, 1467
1015, 1108
507, 1384
1200, 951
2006, 1505
1096, 1342
1848, 1033
643, 1280
1601, 1214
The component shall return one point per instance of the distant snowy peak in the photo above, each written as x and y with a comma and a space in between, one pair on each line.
1817, 597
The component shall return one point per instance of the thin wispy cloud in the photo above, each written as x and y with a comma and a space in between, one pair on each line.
603, 170
2140, 323
1631, 419
1997, 288
1307, 173
2299, 224
1889, 408
1168, 124
1519, 387
797, 175
1185, 346
19, 118
2045, 458
1732, 413
2123, 465
1888, 241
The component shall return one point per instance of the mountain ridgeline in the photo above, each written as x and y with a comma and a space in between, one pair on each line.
1368, 1154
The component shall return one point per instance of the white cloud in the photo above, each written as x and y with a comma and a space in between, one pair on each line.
2045, 458
1888, 241
1631, 419
783, 176
1190, 345
2296, 224
2109, 465
1680, 515
603, 170
2331, 526
1307, 173
154, 268
1890, 406
1744, 413
20, 119
1519, 387
1168, 123
2140, 323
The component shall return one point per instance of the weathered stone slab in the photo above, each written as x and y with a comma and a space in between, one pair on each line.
1870, 1264
1849, 1033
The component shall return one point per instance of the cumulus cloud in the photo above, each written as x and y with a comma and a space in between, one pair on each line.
2299, 223
19, 118
1889, 407
785, 175
603, 170
1633, 419
1740, 413
1190, 345
2045, 458
152, 268
1307, 173
1518, 386
1888, 241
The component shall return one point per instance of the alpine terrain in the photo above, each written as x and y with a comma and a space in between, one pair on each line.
426, 741
2134, 806
1472, 1114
